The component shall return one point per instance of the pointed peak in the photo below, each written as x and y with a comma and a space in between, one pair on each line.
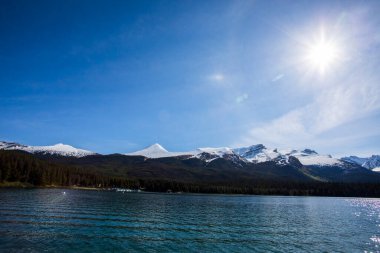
156, 146
157, 151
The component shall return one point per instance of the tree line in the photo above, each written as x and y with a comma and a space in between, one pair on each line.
18, 166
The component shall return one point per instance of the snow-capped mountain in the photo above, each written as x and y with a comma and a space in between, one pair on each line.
259, 153
311, 157
11, 146
207, 154
372, 162
252, 154
157, 151
355, 160
239, 156
58, 149
211, 154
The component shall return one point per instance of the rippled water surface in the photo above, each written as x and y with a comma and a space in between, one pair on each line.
57, 220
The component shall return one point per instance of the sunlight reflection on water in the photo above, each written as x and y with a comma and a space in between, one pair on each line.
370, 211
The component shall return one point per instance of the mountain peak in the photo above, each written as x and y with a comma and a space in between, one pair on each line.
251, 152
62, 148
57, 149
153, 151
156, 146
310, 151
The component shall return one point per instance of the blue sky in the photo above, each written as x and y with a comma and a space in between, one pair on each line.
116, 76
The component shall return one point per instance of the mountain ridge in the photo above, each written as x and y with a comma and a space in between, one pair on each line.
253, 167
57, 149
252, 154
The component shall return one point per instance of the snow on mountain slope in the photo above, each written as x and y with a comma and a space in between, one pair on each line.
371, 162
310, 157
215, 151
157, 151
11, 145
210, 154
259, 153
255, 154
206, 154
58, 149
320, 160
355, 159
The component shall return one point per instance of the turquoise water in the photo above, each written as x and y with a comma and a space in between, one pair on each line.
60, 220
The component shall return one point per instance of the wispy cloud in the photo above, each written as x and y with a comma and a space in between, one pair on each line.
278, 77
240, 99
330, 109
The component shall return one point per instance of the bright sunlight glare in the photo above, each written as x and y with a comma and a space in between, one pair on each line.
321, 54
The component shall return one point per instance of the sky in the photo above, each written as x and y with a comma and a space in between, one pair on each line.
117, 76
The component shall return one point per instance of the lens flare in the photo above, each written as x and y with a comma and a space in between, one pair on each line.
322, 54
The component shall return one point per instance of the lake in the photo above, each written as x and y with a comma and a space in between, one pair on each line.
62, 220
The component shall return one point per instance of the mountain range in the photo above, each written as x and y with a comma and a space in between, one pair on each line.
224, 165
252, 154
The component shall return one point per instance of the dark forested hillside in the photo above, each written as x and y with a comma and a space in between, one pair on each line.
18, 166
177, 174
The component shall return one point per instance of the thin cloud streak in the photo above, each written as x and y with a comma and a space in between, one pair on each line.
278, 77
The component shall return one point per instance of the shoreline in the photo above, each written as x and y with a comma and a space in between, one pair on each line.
20, 185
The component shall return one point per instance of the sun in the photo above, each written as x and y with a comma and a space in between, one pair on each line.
322, 54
